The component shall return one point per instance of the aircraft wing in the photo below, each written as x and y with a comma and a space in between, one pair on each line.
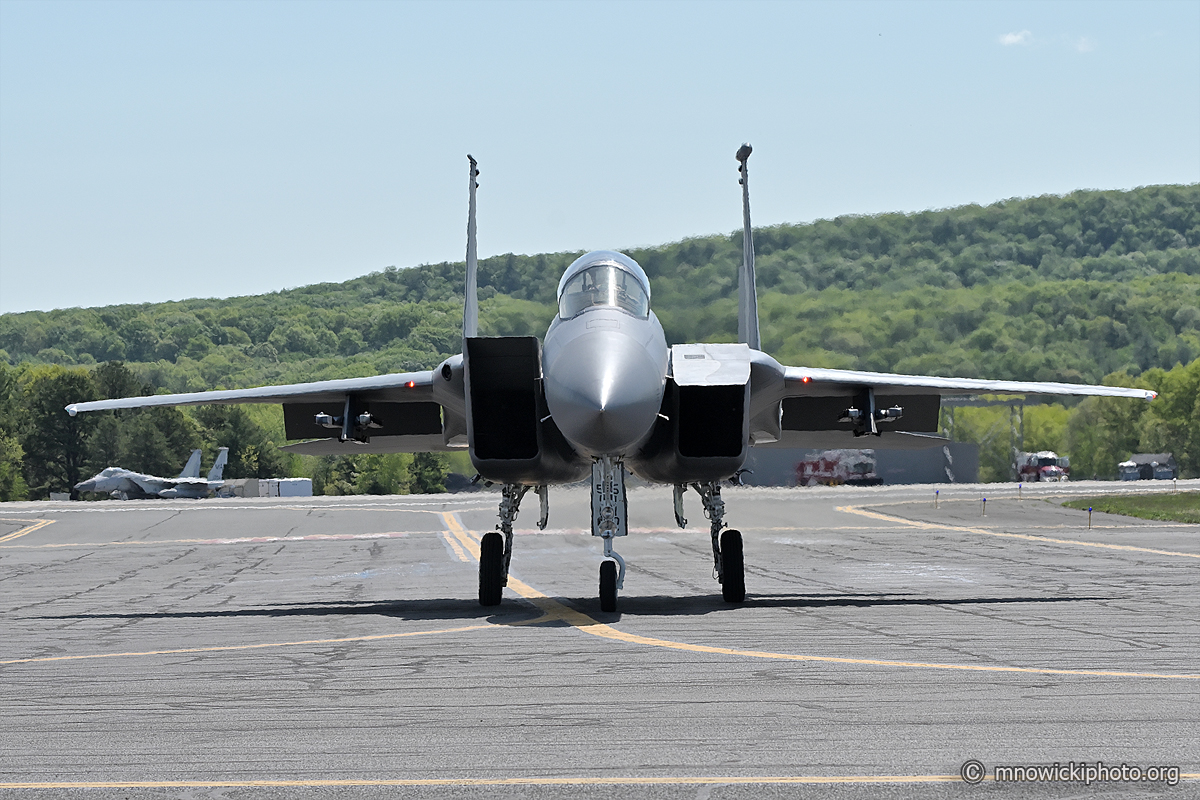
812, 381
400, 411
831, 408
397, 387
148, 483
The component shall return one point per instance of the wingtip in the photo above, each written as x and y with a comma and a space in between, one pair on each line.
72, 410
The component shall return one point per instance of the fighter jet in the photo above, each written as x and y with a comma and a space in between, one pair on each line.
603, 394
124, 484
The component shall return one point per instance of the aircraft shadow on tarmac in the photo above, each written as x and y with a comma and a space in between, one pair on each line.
697, 605
649, 605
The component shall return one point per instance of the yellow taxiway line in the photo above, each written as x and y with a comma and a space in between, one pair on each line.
555, 610
1026, 536
564, 781
227, 648
558, 611
37, 525
622, 780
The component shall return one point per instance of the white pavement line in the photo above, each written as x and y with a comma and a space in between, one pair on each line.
312, 537
142, 506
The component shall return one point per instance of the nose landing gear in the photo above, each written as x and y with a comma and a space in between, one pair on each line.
608, 522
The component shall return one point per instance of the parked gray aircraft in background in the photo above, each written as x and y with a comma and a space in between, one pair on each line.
604, 393
124, 484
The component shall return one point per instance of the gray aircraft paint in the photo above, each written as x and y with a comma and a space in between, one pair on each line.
192, 468
747, 290
603, 391
605, 369
126, 484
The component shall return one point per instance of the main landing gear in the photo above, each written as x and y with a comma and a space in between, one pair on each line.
495, 549
728, 562
610, 520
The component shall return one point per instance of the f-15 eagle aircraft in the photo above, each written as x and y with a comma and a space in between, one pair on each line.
126, 484
603, 393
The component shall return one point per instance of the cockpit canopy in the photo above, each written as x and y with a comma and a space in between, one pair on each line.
604, 278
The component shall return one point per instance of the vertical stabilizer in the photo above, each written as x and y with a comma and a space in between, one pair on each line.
192, 468
747, 293
471, 301
218, 469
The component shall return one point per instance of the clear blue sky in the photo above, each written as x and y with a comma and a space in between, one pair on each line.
163, 150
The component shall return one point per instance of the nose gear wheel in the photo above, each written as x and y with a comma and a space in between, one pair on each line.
608, 586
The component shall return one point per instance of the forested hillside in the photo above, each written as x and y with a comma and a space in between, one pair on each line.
1067, 288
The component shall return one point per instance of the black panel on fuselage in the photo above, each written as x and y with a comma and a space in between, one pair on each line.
503, 373
711, 421
821, 413
396, 419
709, 453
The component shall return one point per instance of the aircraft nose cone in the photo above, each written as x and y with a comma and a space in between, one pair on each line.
604, 391
86, 486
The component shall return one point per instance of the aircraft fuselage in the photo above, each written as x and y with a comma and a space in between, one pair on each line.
604, 373
605, 357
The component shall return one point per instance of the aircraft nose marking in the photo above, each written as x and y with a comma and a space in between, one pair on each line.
604, 323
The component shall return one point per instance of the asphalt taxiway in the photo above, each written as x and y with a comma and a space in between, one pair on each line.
334, 646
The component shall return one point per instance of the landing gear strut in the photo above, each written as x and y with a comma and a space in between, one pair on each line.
608, 522
728, 563
495, 549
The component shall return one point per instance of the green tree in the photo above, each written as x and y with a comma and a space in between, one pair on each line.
383, 473
54, 442
336, 475
1104, 431
427, 473
156, 441
252, 454
12, 483
113, 379
1171, 423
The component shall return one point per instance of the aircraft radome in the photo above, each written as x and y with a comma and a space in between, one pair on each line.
603, 393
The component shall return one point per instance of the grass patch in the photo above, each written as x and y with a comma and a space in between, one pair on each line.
1172, 507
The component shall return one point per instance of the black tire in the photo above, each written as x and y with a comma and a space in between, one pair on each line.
608, 586
491, 569
733, 588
